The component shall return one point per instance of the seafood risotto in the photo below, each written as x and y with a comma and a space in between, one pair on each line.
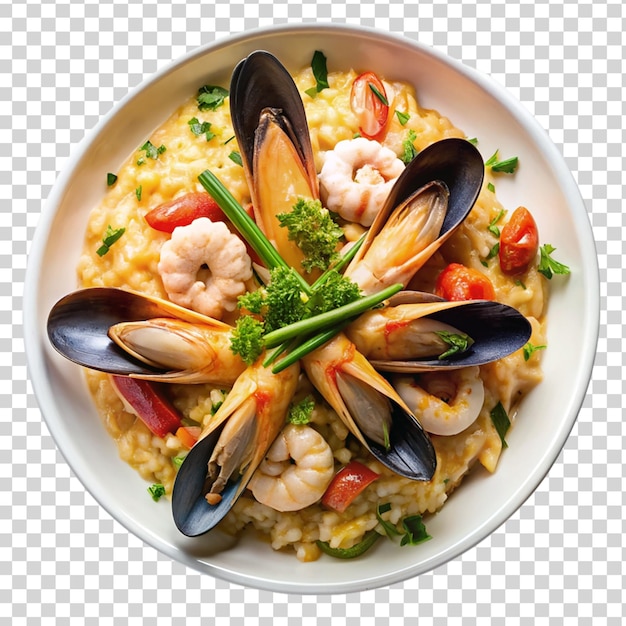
282, 501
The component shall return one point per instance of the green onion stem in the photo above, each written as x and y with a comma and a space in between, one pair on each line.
245, 224
330, 318
308, 346
342, 262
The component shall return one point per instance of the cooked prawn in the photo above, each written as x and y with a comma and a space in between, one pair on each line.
191, 248
356, 178
445, 403
296, 470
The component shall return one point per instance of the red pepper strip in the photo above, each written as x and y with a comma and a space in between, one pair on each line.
147, 400
347, 484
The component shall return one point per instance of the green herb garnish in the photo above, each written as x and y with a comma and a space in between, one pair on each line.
151, 151
138, 193
111, 235
491, 187
492, 228
247, 339
547, 265
315, 232
111, 179
235, 157
501, 422
413, 526
507, 166
529, 349
201, 128
211, 97
320, 72
177, 460
300, 412
378, 94
458, 343
493, 252
403, 118
409, 150
156, 491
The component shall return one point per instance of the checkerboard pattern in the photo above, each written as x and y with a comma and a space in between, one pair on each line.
63, 560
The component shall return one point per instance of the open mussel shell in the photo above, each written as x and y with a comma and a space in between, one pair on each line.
79, 323
193, 515
260, 82
497, 330
454, 162
409, 452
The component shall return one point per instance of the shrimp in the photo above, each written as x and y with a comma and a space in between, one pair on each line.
445, 403
290, 486
182, 262
356, 178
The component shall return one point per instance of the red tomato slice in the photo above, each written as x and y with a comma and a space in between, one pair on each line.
458, 282
184, 210
519, 242
347, 484
368, 101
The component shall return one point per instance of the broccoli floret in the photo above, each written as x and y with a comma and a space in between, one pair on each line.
247, 339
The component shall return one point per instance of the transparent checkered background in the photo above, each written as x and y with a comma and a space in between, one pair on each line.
63, 560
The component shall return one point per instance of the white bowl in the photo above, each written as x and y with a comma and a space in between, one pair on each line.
475, 104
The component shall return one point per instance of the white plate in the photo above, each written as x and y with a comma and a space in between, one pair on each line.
543, 183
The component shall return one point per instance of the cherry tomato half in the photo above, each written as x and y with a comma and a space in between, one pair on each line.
519, 242
347, 484
184, 210
368, 101
458, 282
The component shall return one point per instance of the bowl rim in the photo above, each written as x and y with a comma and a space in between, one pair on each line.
32, 334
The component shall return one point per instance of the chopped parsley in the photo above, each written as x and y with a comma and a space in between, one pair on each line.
320, 73
491, 187
315, 232
547, 265
300, 412
458, 343
529, 349
211, 97
138, 193
247, 338
156, 491
501, 422
111, 179
403, 118
507, 166
519, 283
201, 128
493, 252
151, 152
473, 141
409, 150
111, 235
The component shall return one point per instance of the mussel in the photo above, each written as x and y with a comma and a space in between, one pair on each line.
428, 201
414, 330
271, 129
127, 333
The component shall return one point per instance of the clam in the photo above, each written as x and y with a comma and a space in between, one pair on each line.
126, 333
414, 330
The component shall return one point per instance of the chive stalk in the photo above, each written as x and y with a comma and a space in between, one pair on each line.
330, 318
